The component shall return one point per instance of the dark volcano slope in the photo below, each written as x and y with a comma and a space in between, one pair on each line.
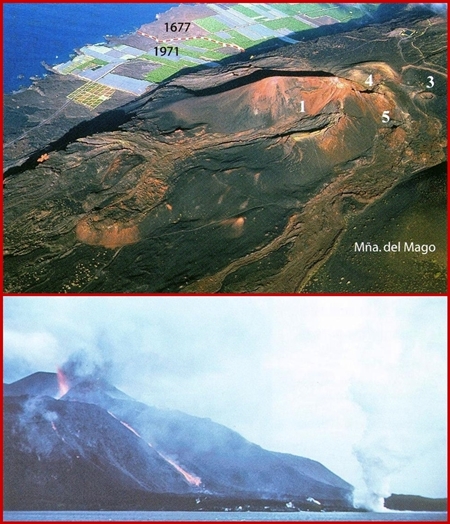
92, 449
243, 170
40, 383
73, 452
225, 462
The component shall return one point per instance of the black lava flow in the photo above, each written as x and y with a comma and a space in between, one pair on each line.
104, 123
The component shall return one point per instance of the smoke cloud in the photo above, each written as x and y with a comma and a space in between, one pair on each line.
31, 420
82, 365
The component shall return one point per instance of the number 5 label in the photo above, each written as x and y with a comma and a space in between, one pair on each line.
385, 118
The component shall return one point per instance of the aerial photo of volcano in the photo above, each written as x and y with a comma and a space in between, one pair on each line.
225, 148
225, 408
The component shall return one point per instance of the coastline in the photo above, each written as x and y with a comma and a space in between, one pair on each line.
29, 38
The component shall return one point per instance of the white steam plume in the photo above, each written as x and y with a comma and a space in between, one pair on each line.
379, 460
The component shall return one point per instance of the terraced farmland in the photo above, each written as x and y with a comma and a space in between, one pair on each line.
208, 33
91, 94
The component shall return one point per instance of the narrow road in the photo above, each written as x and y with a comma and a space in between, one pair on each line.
39, 125
224, 44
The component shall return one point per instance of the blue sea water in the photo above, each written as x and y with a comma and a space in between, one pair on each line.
33, 33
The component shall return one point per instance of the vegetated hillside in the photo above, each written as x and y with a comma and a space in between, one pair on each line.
242, 178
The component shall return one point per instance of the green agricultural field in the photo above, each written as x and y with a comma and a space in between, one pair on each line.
199, 42
209, 54
164, 61
289, 23
211, 24
167, 70
290, 9
82, 63
99, 62
185, 63
247, 11
213, 55
92, 63
160, 74
341, 13
243, 41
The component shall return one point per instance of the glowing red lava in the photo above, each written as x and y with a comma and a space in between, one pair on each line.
125, 424
129, 427
63, 383
192, 479
189, 477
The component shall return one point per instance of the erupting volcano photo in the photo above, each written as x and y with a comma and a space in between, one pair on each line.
225, 148
225, 408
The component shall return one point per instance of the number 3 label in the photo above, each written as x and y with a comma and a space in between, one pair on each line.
430, 82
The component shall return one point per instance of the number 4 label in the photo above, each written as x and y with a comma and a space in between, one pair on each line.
369, 81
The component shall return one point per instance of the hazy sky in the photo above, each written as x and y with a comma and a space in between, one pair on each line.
329, 378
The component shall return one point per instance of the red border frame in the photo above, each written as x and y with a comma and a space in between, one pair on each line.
187, 295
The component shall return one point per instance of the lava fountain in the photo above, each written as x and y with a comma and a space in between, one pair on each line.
63, 383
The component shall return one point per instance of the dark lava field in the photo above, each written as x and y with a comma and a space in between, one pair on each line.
258, 176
